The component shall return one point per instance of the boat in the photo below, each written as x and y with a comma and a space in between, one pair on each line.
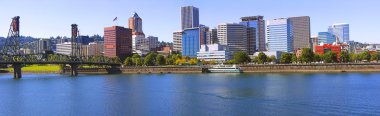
225, 69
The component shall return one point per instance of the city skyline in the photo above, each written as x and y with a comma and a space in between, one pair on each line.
54, 19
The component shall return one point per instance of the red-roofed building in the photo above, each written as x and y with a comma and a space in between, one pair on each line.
337, 48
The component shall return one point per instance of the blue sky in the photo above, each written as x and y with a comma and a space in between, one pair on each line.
45, 18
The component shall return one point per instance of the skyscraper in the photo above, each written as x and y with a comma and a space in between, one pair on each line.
288, 34
234, 36
278, 35
191, 42
177, 41
135, 23
300, 31
117, 42
342, 31
203, 31
189, 17
326, 38
258, 23
213, 36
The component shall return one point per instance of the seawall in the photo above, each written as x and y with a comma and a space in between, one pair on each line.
313, 68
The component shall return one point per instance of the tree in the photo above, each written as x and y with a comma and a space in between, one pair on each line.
307, 55
149, 60
330, 57
286, 58
272, 59
262, 58
136, 59
375, 57
344, 57
128, 61
212, 62
317, 58
193, 61
353, 57
160, 60
241, 57
366, 56
294, 58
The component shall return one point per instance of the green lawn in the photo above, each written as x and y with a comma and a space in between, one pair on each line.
37, 68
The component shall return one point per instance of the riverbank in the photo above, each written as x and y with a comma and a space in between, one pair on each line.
275, 68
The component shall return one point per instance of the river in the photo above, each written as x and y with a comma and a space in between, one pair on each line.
191, 94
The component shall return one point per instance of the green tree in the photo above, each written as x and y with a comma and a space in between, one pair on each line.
286, 58
241, 57
294, 58
317, 58
262, 58
330, 57
160, 60
344, 57
375, 57
128, 61
307, 55
136, 59
212, 62
366, 56
272, 59
353, 57
149, 60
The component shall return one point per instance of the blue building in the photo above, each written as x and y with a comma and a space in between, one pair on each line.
279, 35
85, 40
258, 23
342, 31
190, 42
326, 38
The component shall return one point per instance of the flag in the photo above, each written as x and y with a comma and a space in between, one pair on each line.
115, 19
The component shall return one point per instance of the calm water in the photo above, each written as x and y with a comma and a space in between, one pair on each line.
191, 94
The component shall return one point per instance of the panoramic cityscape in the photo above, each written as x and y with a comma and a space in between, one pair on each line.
253, 64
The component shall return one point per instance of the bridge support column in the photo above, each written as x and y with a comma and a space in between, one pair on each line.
17, 71
74, 70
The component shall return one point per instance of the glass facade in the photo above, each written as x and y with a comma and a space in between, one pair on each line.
279, 35
342, 31
190, 42
326, 38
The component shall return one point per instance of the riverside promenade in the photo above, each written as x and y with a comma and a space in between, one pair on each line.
267, 68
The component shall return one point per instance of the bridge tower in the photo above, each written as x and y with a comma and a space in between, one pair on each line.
76, 52
12, 42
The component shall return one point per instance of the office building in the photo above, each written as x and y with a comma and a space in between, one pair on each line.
117, 42
213, 52
191, 42
258, 23
177, 41
288, 34
153, 43
234, 36
43, 46
64, 48
203, 32
278, 36
213, 36
342, 31
135, 23
300, 31
326, 38
96, 48
189, 17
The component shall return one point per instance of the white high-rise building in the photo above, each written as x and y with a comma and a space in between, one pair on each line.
277, 35
64, 48
234, 36
341, 31
177, 41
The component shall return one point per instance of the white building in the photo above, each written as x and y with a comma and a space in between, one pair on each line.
177, 41
234, 36
213, 52
43, 45
95, 48
64, 48
153, 43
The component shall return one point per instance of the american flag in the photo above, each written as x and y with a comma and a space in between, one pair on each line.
115, 19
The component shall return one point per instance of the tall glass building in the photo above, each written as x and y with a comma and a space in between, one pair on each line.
279, 35
189, 17
326, 38
258, 23
191, 42
342, 31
